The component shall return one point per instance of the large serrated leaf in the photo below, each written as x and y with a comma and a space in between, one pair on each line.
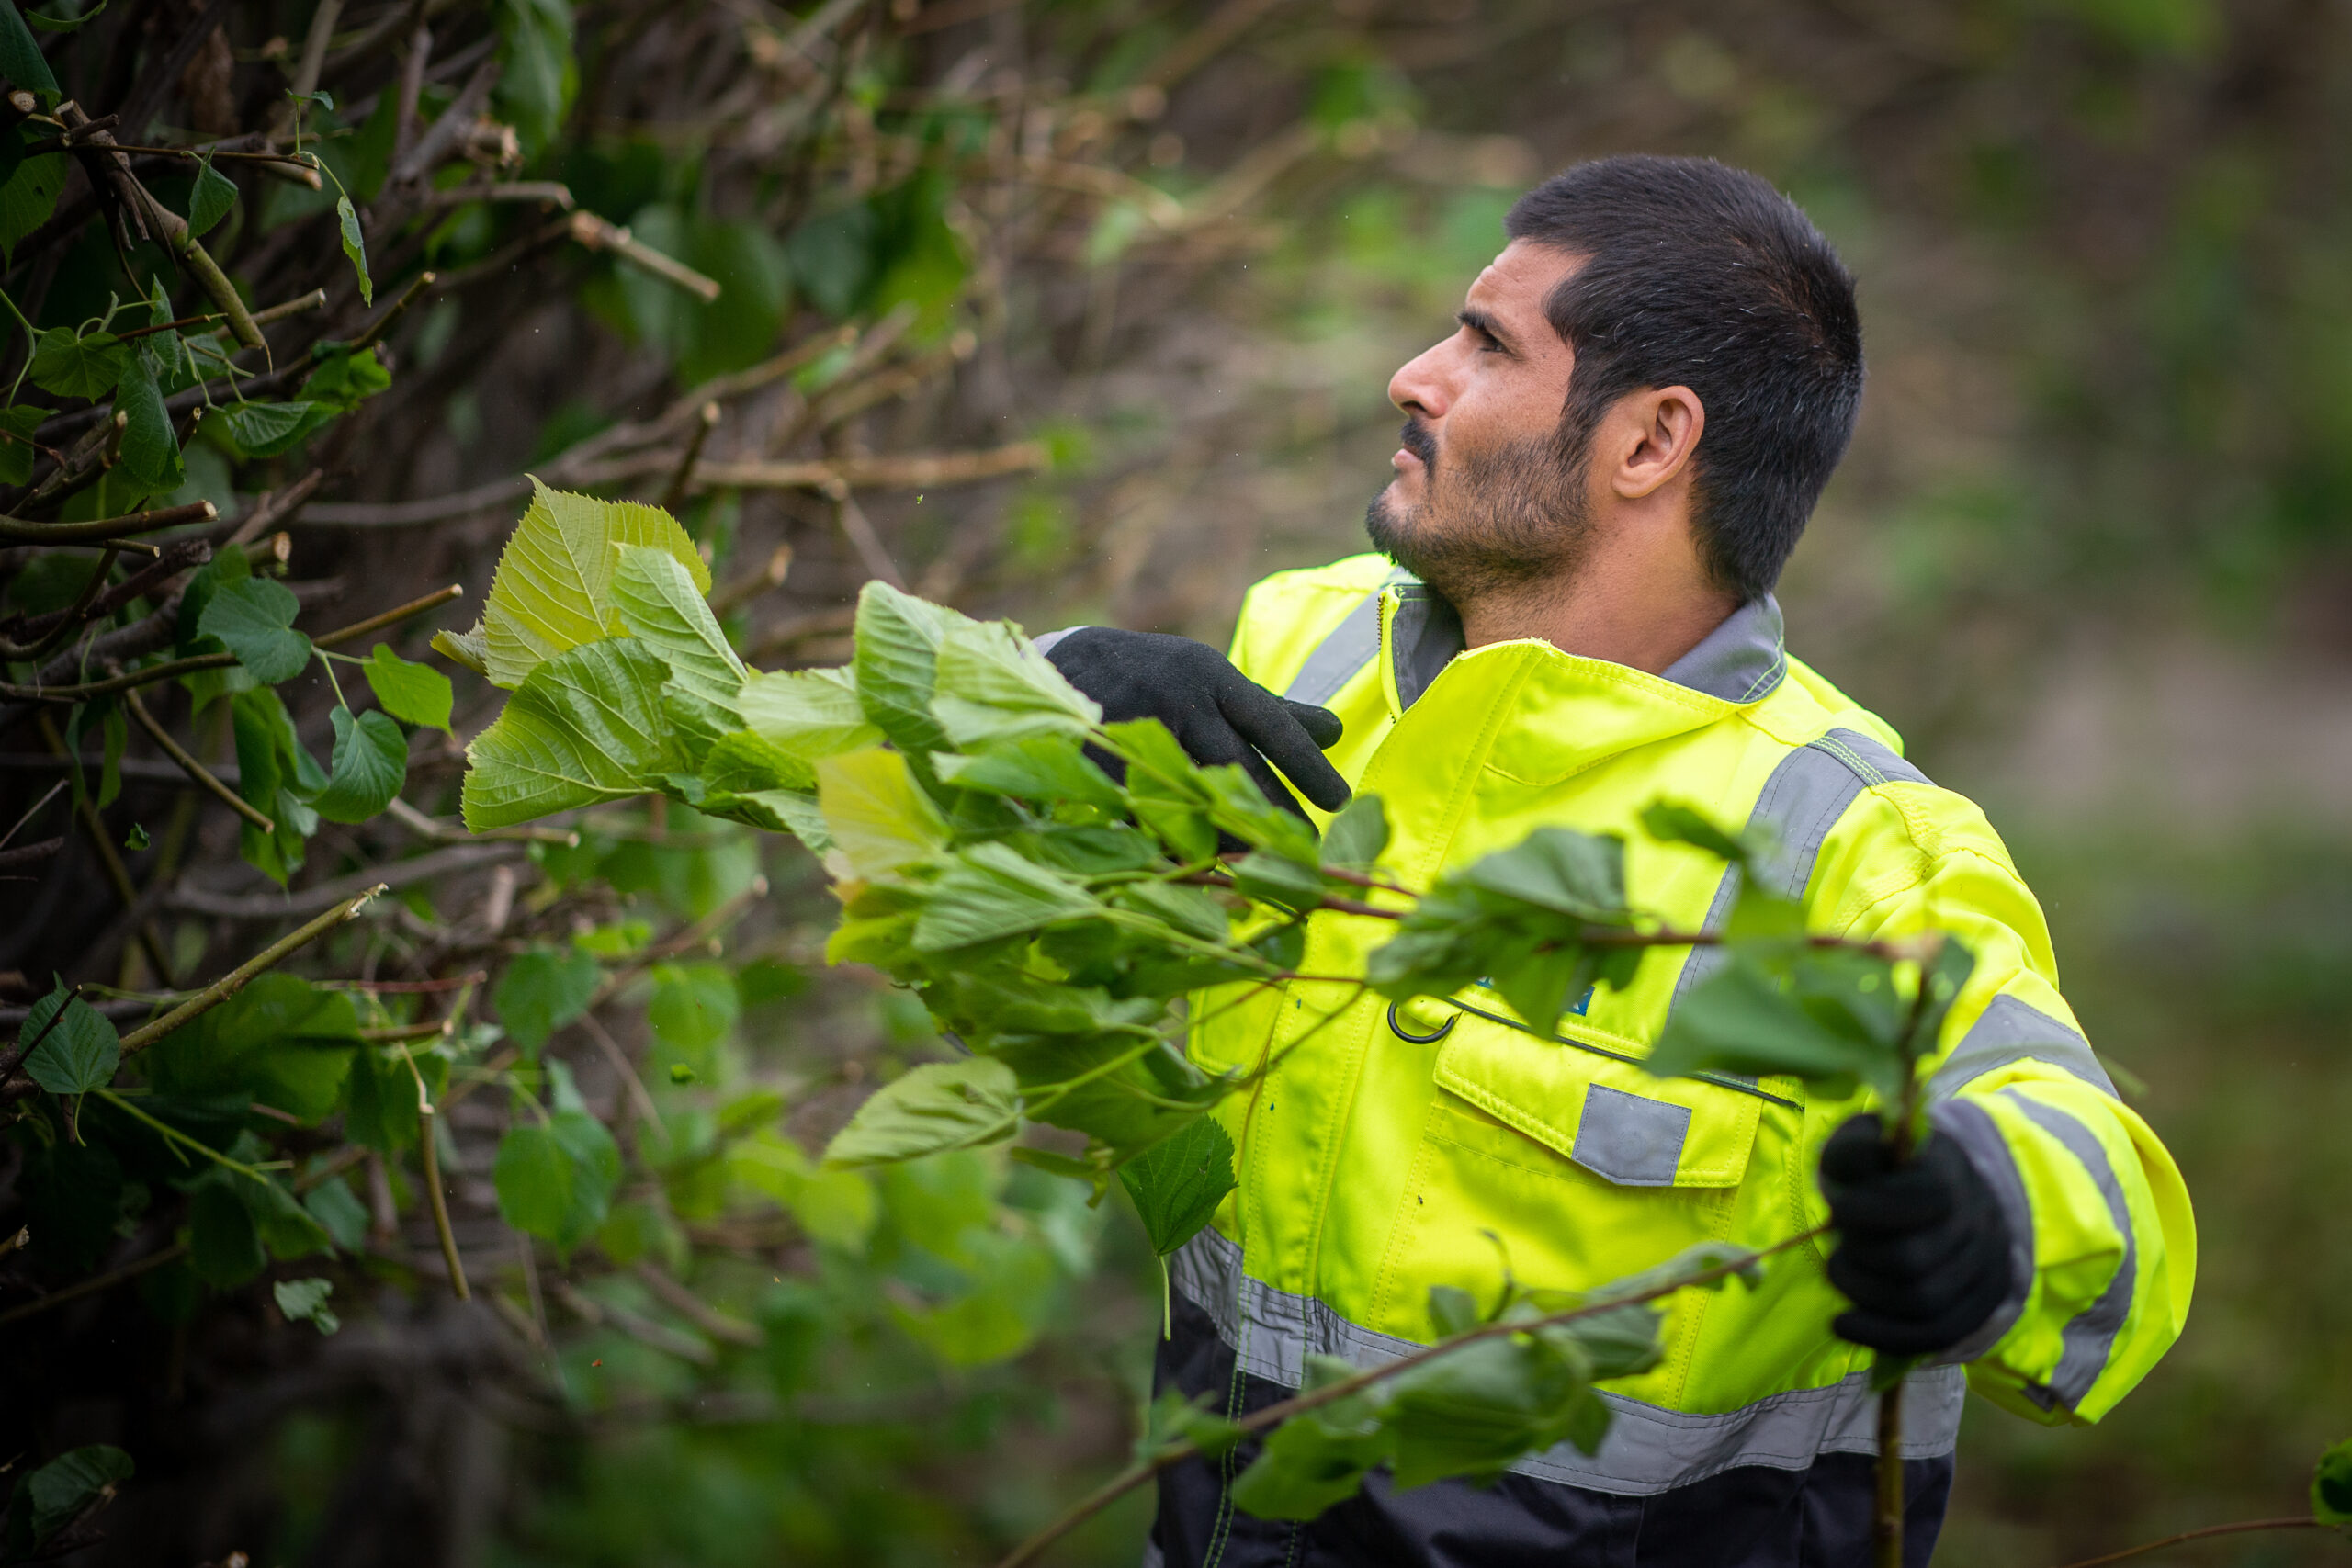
552, 591
943, 1105
898, 664
809, 713
990, 686
78, 1052
1178, 1182
661, 606
585, 726
879, 816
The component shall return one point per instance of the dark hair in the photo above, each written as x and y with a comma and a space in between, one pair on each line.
1706, 277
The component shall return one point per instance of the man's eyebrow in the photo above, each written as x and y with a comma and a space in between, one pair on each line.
1478, 321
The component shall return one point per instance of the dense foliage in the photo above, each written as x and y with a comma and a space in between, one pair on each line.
972, 299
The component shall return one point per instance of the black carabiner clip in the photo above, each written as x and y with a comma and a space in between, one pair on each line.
1396, 1027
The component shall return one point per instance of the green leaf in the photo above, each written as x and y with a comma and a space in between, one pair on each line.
17, 449
1178, 1182
58, 1491
21, 61
414, 694
77, 1054
1579, 875
253, 619
67, 24
542, 990
1316, 1458
1811, 1020
1357, 835
369, 765
224, 1245
28, 186
538, 76
151, 450
78, 367
305, 1300
344, 379
941, 1105
899, 637
586, 726
339, 1212
1674, 824
533, 1178
1475, 1409
355, 247
470, 649
280, 1040
992, 685
1049, 769
264, 430
694, 1006
210, 202
880, 817
2331, 1487
1175, 1419
988, 891
552, 591
658, 602
808, 713
595, 1172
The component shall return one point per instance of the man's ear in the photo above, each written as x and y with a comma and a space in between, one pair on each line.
1655, 433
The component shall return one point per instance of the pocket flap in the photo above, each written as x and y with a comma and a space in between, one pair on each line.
1577, 1096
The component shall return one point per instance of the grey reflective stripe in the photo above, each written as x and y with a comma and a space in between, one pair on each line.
1632, 1140
1649, 1448
1972, 1128
2012, 1031
1801, 803
2089, 1336
1351, 645
1741, 661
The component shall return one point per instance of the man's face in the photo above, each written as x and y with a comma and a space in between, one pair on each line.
1487, 493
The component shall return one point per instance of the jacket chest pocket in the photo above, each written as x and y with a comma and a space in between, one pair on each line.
1562, 1164
1582, 1099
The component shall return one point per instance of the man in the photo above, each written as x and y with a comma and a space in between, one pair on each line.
1603, 469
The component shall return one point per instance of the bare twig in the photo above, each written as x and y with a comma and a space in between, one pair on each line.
1275, 1415
228, 984
2241, 1528
392, 874
96, 1284
709, 1318
734, 596
705, 420
391, 617
118, 875
107, 527
597, 234
194, 769
859, 531
392, 314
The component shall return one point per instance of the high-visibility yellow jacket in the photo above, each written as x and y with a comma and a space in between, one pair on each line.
1388, 1151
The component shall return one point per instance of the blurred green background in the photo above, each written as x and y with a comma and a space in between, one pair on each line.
2091, 553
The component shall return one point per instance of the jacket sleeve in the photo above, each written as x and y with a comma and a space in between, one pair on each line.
2103, 1243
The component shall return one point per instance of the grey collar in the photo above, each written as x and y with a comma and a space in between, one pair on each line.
1740, 662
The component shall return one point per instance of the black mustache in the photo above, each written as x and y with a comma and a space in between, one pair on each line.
1418, 440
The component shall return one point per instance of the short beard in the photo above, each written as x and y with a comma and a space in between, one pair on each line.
1498, 521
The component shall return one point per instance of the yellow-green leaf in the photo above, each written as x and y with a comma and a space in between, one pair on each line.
552, 591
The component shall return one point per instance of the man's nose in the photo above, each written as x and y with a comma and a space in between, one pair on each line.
1420, 388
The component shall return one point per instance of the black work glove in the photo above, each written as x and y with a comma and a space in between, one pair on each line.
1218, 713
1923, 1250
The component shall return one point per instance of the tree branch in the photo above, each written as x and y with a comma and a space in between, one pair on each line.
228, 984
1176, 1453
194, 769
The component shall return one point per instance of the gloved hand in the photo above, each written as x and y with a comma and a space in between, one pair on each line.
1218, 713
1923, 1250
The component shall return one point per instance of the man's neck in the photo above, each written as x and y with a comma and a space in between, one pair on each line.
1644, 620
